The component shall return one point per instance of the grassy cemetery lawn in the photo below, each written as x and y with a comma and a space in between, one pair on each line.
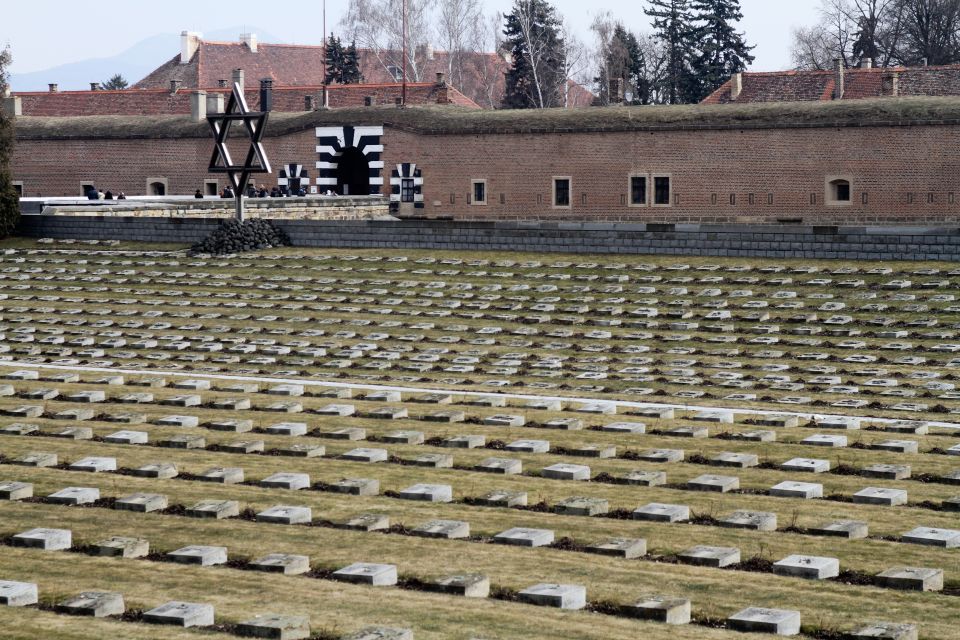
399, 444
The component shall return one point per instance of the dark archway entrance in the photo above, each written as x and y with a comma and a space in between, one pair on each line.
353, 173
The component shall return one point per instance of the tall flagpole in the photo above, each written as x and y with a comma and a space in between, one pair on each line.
403, 98
324, 97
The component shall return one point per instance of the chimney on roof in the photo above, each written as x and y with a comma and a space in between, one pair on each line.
895, 84
867, 63
441, 79
174, 86
736, 86
189, 43
838, 73
238, 78
249, 39
12, 106
53, 87
308, 103
429, 51
94, 86
198, 106
214, 103
266, 94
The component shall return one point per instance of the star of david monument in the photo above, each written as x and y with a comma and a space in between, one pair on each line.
256, 161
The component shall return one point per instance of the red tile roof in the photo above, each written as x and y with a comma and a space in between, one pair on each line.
792, 86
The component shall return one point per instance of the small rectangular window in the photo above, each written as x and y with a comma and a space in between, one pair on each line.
480, 192
638, 191
85, 187
561, 192
211, 187
18, 188
733, 198
661, 190
406, 190
503, 198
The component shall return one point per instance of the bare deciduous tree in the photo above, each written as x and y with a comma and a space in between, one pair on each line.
377, 26
488, 69
459, 31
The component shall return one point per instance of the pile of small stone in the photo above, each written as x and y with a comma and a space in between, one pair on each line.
234, 236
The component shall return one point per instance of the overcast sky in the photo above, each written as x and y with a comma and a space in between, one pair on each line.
46, 33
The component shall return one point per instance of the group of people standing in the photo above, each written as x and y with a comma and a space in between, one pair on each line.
95, 194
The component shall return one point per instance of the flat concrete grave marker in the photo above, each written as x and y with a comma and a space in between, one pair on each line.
947, 538
662, 455
911, 579
825, 440
688, 431
449, 529
404, 437
73, 433
913, 427
87, 397
465, 442
24, 411
123, 547
302, 450
127, 437
233, 426
98, 604
142, 502
215, 509
807, 465
503, 498
705, 556
563, 596
380, 633
203, 555
756, 520
784, 421
19, 429
792, 489
291, 390
898, 446
582, 506
565, 471
780, 622
284, 480
287, 429
710, 482
192, 385
37, 460
428, 492
183, 441
368, 522
504, 420
363, 454
624, 427
181, 614
658, 512
445, 416
503, 466
277, 626
46, 539
164, 470
94, 464
231, 404
79, 415
644, 478
338, 410
13, 490
738, 460
757, 435
17, 594
657, 413
884, 631
811, 567
185, 400
285, 515
433, 460
529, 446
285, 563
244, 446
664, 609
357, 486
222, 475
468, 585
378, 575
524, 537
350, 433
628, 548
887, 471
880, 495
178, 421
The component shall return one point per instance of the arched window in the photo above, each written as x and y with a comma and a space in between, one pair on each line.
838, 191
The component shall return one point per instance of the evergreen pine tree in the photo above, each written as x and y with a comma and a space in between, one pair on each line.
673, 26
335, 60
9, 203
722, 51
536, 77
115, 82
624, 61
351, 65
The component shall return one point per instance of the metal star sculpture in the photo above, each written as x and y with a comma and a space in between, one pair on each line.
256, 161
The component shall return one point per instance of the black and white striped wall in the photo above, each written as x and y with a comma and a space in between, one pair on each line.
406, 171
291, 172
333, 141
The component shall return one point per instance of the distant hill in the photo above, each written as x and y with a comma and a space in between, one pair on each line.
132, 64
